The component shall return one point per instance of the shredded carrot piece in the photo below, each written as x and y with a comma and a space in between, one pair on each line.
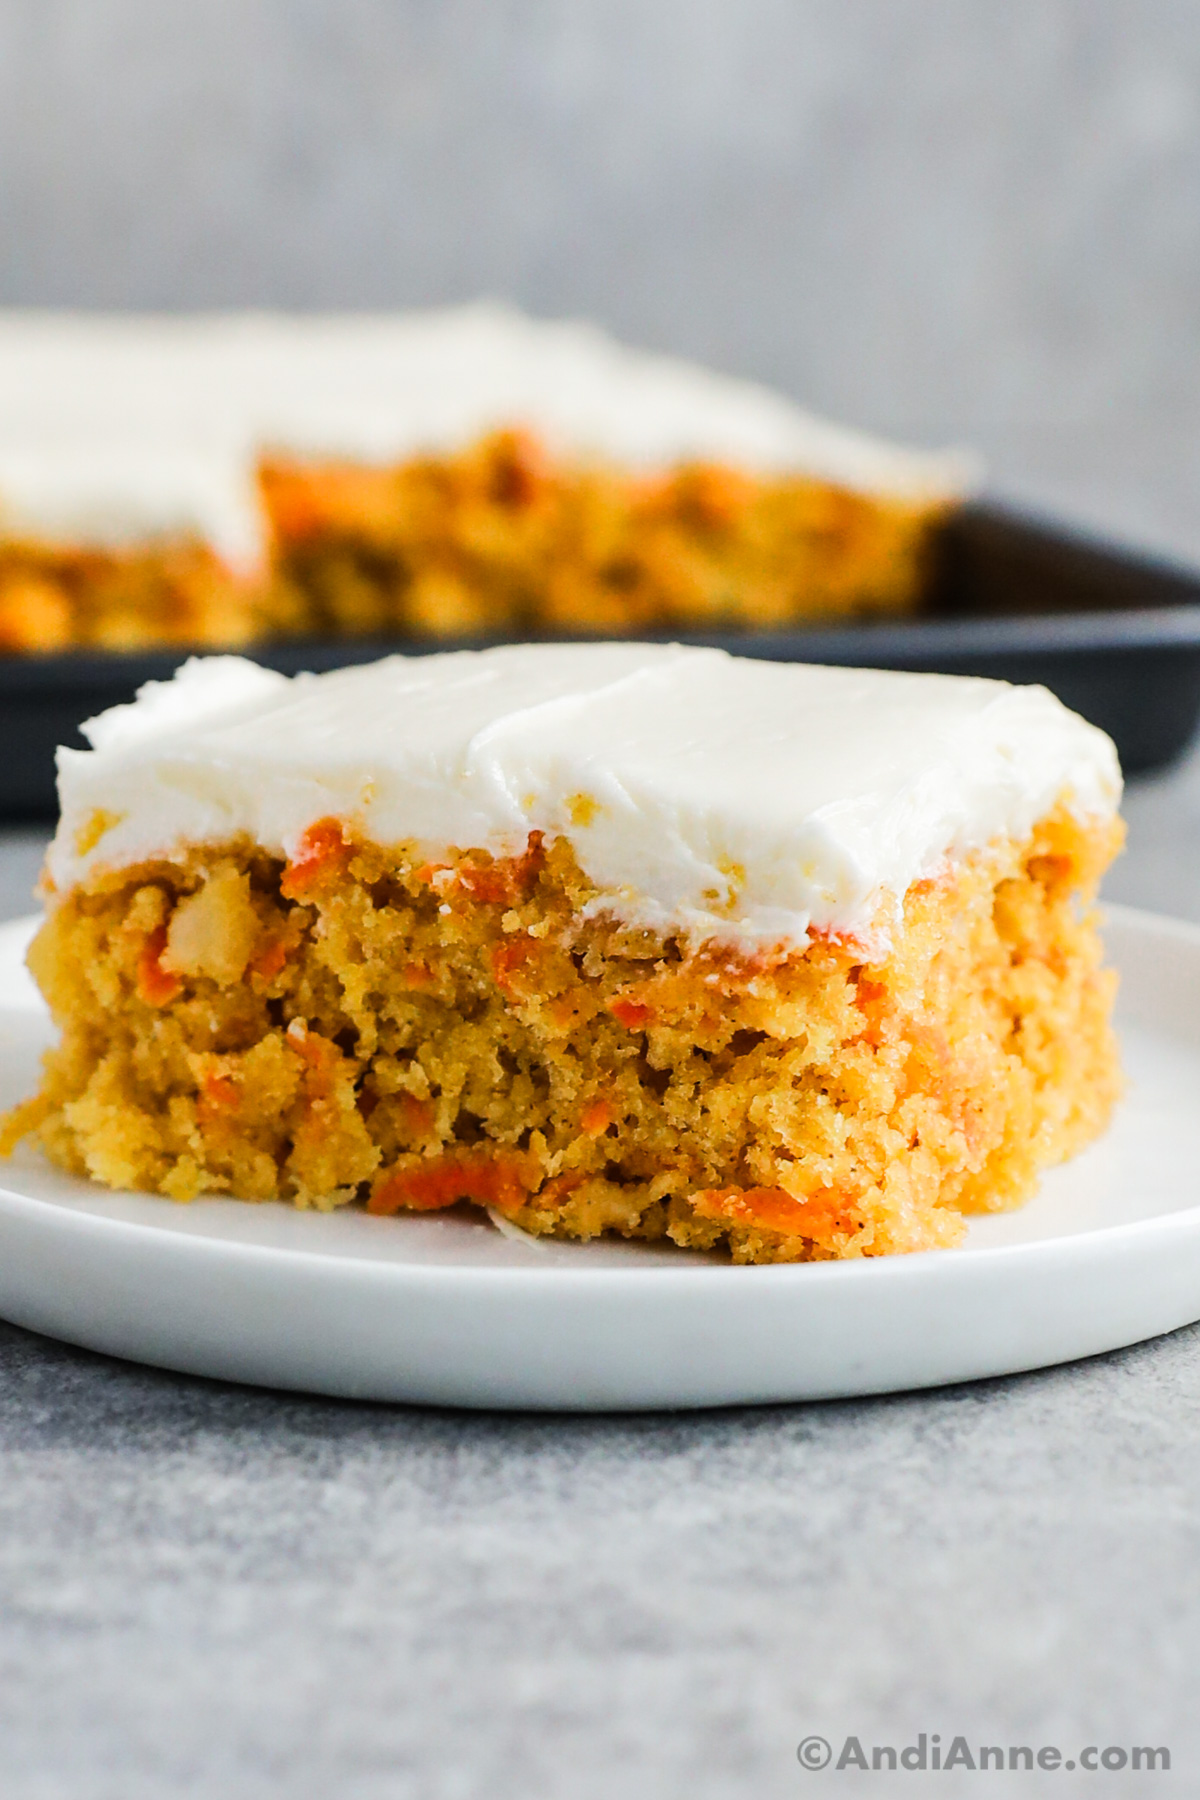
500, 1179
632, 1014
489, 883
497, 883
268, 961
597, 1117
868, 992
774, 1209
507, 879
323, 850
509, 959
155, 985
218, 1094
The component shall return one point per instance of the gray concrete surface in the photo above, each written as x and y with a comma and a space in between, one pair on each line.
241, 1595
232, 1594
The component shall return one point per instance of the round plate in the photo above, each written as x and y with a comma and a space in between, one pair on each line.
445, 1308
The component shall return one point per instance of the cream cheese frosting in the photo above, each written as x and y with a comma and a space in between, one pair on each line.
719, 796
111, 427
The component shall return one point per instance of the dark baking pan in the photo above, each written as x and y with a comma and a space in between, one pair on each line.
1115, 634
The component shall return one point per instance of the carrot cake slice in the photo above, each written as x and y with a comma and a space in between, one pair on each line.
798, 962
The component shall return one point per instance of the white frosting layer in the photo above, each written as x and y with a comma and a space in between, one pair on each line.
113, 426
725, 797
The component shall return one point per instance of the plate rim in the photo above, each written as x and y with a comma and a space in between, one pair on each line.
907, 1266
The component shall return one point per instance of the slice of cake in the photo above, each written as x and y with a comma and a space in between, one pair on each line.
797, 961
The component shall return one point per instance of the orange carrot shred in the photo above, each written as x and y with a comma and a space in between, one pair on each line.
156, 985
498, 1179
632, 1014
490, 883
774, 1210
323, 850
219, 1092
508, 959
597, 1117
268, 961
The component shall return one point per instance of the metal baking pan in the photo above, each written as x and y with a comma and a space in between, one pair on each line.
1115, 634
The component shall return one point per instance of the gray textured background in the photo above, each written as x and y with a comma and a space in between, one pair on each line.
967, 220
942, 218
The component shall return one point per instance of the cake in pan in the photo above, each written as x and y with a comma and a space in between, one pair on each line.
791, 962
62, 595
217, 481
504, 538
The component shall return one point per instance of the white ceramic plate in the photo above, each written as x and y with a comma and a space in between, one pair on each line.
447, 1309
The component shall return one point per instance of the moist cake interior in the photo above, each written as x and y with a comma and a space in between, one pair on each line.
359, 1025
